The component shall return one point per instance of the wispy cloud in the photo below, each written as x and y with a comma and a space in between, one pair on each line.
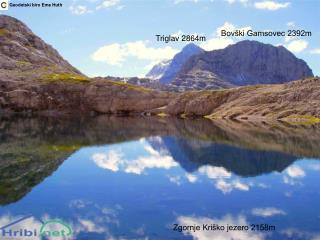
244, 2
227, 187
175, 179
108, 4
181, 1
315, 51
79, 9
231, 27
271, 5
191, 178
291, 24
89, 6
216, 43
267, 212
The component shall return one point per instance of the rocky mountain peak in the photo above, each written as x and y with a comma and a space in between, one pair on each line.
178, 60
192, 48
21, 49
244, 63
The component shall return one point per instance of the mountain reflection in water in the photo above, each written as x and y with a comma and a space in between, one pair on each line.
234, 154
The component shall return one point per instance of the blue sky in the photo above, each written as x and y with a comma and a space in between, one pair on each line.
117, 37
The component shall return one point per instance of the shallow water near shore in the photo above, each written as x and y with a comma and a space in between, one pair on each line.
138, 178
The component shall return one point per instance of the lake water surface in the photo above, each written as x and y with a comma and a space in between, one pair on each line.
135, 178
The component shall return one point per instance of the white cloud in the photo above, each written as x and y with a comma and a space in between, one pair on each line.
214, 172
108, 4
295, 172
116, 54
289, 181
113, 54
291, 24
114, 161
110, 161
191, 178
181, 1
315, 166
226, 187
293, 233
230, 27
216, 43
89, 226
219, 235
79, 10
177, 34
297, 46
120, 7
139, 165
289, 38
271, 5
267, 212
263, 185
315, 51
175, 180
78, 203
244, 2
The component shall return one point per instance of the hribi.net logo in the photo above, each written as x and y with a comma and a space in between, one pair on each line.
4, 4
32, 229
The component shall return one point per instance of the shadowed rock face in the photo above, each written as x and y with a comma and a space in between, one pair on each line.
178, 61
158, 70
33, 148
244, 63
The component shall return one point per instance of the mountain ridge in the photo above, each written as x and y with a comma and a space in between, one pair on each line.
243, 63
178, 61
31, 84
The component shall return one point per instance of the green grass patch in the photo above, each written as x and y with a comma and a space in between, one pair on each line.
64, 148
4, 32
23, 63
302, 119
162, 114
66, 77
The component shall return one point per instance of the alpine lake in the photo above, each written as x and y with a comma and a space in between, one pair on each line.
110, 177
